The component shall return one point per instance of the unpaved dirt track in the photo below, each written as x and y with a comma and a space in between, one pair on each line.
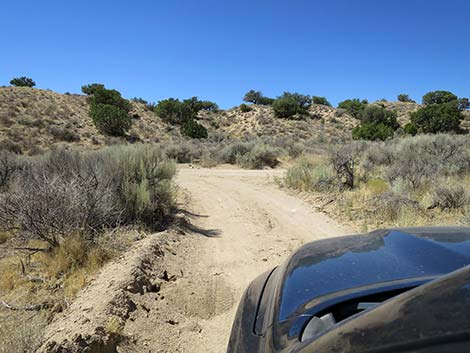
243, 225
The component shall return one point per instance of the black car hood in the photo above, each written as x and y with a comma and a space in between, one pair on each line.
434, 317
319, 269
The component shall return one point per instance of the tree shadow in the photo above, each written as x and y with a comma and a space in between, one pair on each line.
183, 223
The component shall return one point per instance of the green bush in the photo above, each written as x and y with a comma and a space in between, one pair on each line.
110, 97
436, 118
303, 101
439, 97
375, 114
291, 105
23, 81
92, 88
286, 108
245, 108
194, 105
108, 110
377, 123
405, 98
110, 119
185, 114
372, 132
410, 129
171, 110
193, 129
266, 101
256, 97
320, 101
354, 107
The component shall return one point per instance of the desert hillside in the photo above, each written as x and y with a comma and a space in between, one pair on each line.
33, 120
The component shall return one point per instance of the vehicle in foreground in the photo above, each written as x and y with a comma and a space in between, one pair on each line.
394, 290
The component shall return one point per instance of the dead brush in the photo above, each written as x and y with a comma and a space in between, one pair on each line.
449, 196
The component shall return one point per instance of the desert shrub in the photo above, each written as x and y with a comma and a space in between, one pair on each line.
405, 98
439, 97
343, 159
64, 134
92, 88
286, 108
108, 110
294, 150
306, 175
372, 132
256, 97
194, 105
320, 101
179, 152
303, 101
10, 165
109, 97
266, 101
377, 123
67, 192
142, 184
171, 110
375, 114
230, 153
291, 105
208, 106
375, 156
193, 129
435, 118
449, 196
353, 106
260, 156
110, 119
244, 108
185, 114
417, 160
252, 96
410, 129
23, 81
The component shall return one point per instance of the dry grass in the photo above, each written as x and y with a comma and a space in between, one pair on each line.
53, 279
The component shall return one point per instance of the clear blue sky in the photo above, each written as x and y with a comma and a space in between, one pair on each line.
218, 49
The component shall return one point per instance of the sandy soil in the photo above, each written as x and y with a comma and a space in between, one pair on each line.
178, 291
247, 226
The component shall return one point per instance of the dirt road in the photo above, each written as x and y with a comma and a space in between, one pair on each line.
178, 291
246, 225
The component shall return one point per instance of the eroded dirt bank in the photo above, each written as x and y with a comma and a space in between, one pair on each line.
241, 226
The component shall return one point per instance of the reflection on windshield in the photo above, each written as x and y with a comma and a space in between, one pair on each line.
392, 257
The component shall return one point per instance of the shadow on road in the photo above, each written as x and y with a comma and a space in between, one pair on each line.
184, 223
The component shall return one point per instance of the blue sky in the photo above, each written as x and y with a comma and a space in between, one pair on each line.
218, 50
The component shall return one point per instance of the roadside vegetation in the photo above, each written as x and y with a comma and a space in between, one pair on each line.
421, 180
65, 214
